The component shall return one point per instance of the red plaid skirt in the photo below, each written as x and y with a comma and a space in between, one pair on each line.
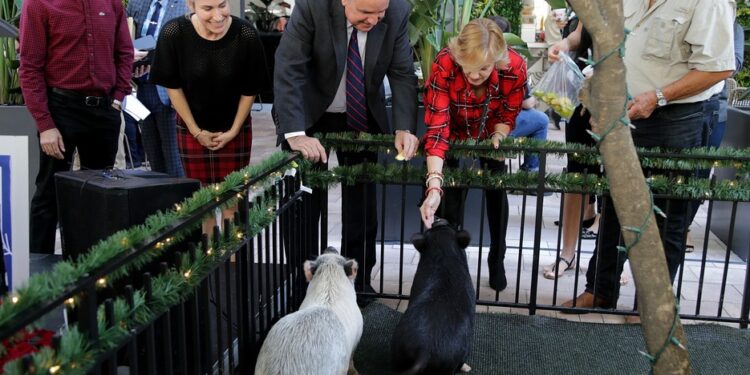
212, 166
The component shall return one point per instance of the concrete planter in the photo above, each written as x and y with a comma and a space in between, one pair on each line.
737, 135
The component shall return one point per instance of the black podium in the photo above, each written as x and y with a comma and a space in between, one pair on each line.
93, 204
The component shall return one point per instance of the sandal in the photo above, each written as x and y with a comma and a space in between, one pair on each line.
587, 234
587, 223
554, 270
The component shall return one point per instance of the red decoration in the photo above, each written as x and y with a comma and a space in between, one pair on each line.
25, 342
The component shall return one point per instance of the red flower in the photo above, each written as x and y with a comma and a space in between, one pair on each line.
25, 342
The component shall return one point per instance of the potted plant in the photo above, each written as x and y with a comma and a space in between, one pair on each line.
10, 92
431, 25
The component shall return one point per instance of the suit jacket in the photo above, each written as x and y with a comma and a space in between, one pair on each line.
138, 9
311, 60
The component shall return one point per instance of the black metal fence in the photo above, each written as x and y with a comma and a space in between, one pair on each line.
712, 284
219, 324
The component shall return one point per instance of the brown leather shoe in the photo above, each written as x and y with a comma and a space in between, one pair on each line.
633, 319
585, 300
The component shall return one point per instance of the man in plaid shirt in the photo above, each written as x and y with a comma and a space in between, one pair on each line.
475, 92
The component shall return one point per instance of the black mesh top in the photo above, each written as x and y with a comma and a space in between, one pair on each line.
212, 74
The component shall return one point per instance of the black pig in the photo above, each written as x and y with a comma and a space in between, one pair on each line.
434, 334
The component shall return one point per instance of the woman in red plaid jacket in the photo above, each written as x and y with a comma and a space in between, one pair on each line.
474, 93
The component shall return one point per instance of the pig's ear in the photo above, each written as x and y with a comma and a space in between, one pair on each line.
309, 267
418, 240
351, 267
463, 237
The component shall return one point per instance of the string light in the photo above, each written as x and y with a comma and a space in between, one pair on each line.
210, 251
70, 301
187, 274
14, 299
54, 369
101, 282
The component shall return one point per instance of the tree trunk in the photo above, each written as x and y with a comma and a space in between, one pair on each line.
605, 95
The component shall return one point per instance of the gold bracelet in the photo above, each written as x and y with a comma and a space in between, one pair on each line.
429, 189
433, 176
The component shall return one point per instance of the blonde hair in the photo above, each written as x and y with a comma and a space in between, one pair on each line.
479, 41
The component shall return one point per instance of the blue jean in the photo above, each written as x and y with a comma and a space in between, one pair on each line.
159, 134
673, 127
533, 124
711, 137
134, 154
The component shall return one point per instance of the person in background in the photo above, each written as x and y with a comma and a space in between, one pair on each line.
715, 117
476, 74
555, 26
212, 65
76, 64
670, 79
158, 129
530, 122
576, 131
328, 77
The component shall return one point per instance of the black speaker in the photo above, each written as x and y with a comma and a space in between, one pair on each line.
93, 204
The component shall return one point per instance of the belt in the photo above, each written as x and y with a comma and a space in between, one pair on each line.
87, 100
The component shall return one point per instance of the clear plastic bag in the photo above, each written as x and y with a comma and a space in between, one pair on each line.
559, 87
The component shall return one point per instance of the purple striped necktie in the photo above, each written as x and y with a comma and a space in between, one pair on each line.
356, 103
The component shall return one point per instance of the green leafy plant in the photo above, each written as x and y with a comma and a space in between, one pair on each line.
743, 17
557, 4
434, 22
10, 92
510, 9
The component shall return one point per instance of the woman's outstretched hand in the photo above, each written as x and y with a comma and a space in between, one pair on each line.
429, 207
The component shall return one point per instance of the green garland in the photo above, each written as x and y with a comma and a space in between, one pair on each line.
690, 188
686, 159
47, 286
77, 354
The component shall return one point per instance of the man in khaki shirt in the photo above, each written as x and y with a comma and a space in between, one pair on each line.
677, 55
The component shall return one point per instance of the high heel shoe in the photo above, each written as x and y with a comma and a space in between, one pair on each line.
587, 223
495, 263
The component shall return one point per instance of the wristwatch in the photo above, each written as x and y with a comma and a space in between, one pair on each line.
661, 101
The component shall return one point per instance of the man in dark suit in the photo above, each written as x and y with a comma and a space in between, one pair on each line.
159, 135
328, 77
